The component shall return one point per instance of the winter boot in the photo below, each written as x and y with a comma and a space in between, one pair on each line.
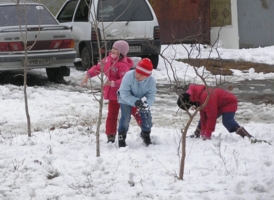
197, 133
111, 138
122, 139
60, 79
242, 132
146, 137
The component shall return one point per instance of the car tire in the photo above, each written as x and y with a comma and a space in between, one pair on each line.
52, 73
154, 59
86, 60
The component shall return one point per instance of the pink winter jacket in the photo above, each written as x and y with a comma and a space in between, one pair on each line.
114, 70
220, 101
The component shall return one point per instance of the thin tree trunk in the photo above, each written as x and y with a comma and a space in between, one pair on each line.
182, 166
99, 123
26, 100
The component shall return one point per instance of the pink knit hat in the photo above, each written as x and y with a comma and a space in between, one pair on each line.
121, 46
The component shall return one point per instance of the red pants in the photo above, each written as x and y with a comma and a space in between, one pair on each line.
112, 117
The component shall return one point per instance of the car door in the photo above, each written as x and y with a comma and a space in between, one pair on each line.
75, 13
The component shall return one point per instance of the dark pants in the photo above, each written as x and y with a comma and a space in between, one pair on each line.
228, 121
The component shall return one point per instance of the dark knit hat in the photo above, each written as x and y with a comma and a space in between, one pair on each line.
184, 101
122, 46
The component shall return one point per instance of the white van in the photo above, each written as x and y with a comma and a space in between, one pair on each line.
130, 20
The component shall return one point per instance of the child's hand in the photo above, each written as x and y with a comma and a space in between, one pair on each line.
84, 81
109, 83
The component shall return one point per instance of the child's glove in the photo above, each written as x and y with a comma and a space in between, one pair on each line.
196, 133
141, 105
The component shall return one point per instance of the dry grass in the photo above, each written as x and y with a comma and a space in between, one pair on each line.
222, 67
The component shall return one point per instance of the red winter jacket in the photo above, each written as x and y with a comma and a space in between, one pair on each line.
114, 70
220, 101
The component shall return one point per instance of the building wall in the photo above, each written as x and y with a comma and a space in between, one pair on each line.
227, 36
256, 23
183, 20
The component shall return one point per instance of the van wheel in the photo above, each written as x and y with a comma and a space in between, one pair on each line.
52, 73
85, 56
154, 59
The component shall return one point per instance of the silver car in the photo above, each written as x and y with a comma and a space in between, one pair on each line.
31, 37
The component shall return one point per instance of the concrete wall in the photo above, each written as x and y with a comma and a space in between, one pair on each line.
256, 23
228, 35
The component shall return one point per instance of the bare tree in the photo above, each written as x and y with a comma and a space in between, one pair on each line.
102, 77
24, 35
179, 84
101, 38
27, 46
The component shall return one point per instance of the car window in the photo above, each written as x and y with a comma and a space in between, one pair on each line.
123, 10
82, 11
15, 15
67, 12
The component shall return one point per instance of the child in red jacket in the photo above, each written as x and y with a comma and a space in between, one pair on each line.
116, 64
220, 103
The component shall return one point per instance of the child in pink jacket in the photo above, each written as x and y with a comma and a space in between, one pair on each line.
116, 64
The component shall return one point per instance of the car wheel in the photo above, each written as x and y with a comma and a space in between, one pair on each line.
154, 59
85, 56
52, 73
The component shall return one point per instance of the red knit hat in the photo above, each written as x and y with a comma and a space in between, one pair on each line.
144, 67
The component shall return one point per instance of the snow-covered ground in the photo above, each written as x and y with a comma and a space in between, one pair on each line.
59, 161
